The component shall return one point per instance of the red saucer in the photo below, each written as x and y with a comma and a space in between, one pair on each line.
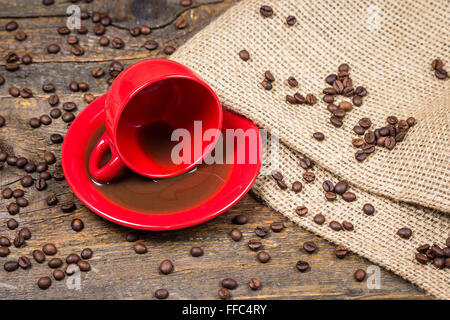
74, 153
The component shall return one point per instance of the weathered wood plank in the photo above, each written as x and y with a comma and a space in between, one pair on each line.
117, 271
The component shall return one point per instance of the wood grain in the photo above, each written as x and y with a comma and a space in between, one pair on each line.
119, 273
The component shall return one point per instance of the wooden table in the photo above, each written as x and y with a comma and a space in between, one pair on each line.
118, 272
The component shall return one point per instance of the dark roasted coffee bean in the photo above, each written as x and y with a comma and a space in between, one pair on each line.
53, 100
49, 249
74, 87
430, 255
368, 209
331, 79
369, 137
357, 101
277, 226
103, 41
3, 155
49, 157
254, 284
53, 48
55, 263
14, 92
11, 160
421, 258
399, 137
76, 224
404, 233
68, 117
411, 121
84, 14
340, 252
118, 43
87, 253
437, 64
45, 119
299, 98
72, 258
277, 175
302, 266
281, 184
196, 251
26, 93
97, 72
58, 175
236, 234
115, 68
229, 283
151, 45
72, 39
4, 241
4, 252
240, 219
423, 248
269, 76
30, 167
266, 11
340, 187
254, 244
328, 98
330, 196
301, 210
348, 196
84, 266
27, 59
392, 120
180, 23
292, 82
365, 123
319, 219
11, 26
336, 226
140, 248
56, 138
290, 99
58, 274
40, 184
361, 91
63, 31
319, 136
69, 106
34, 122
263, 257
338, 86
297, 186
328, 186
389, 143
347, 226
309, 176
132, 236
45, 175
439, 263
88, 97
7, 193
11, 57
224, 293
437, 251
18, 241
39, 256
12, 67
21, 162
169, 50
12, 224
77, 50
11, 266
99, 29
105, 20
25, 233
305, 163
335, 121
13, 208
447, 242
291, 20
261, 232
42, 166
359, 275
44, 283
446, 252
441, 74
310, 99
310, 247
166, 267
145, 30
162, 294
329, 90
348, 91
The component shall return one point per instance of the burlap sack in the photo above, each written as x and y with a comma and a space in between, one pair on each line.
389, 46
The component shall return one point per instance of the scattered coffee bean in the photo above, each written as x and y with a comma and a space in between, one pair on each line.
229, 283
145, 30
319, 219
340, 187
330, 196
13, 208
310, 247
132, 236
359, 275
328, 186
49, 249
55, 263
53, 48
140, 248
7, 193
151, 45
87, 253
56, 138
297, 186
11, 266
254, 284
53, 100
302, 266
301, 210
240, 219
309, 176
254, 244
236, 234
347, 226
224, 293
261, 232
336, 226
319, 136
25, 233
404, 233
118, 43
58, 274
77, 225
40, 184
97, 72
18, 241
4, 252
277, 226
161, 294
44, 283
348, 196
340, 252
196, 251
368, 209
12, 224
84, 266
4, 241
263, 257
166, 267
72, 258
39, 256
266, 11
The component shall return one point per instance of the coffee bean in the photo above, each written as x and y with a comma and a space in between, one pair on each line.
58, 274
302, 266
319, 136
447, 242
277, 226
347, 226
11, 160
254, 244
145, 30
25, 233
26, 93
97, 72
389, 143
346, 106
12, 224
72, 258
161, 294
349, 196
421, 258
34, 122
261, 232
63, 31
185, 3
437, 64
132, 236
21, 162
49, 249
55, 263
151, 45
357, 101
340, 187
361, 91
244, 55
27, 59
68, 117
3, 155
42, 166
328, 98
14, 92
53, 48
86, 253
56, 138
118, 43
330, 196
404, 233
299, 98
359, 275
441, 74
281, 184
291, 20
340, 252
319, 219
430, 255
52, 200
236, 234
76, 224
263, 257
88, 97
229, 283
84, 266
169, 50
254, 284
45, 175
292, 82
310, 247
297, 186
13, 208
240, 219
12, 67
99, 29
77, 50
423, 248
69, 106
439, 263
305, 163
266, 85
301, 210
7, 193
45, 119
336, 226
53, 100
335, 121
140, 248
224, 293
105, 20
196, 251
103, 41
266, 11
180, 23
328, 186
166, 267
310, 99
411, 121
18, 241
11, 26
4, 241
11, 266
4, 252
58, 175
309, 176
269, 76
290, 99
49, 157
39, 256
44, 283
437, 251
40, 184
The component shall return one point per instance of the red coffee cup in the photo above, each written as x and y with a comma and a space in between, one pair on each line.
145, 103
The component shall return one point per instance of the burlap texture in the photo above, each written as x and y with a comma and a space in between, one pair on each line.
389, 46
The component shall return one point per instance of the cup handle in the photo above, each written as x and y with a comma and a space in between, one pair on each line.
109, 170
